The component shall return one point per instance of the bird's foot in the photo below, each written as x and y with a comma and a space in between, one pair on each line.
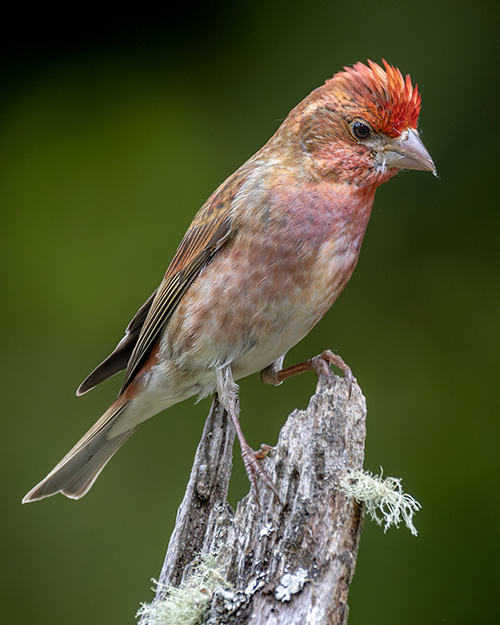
254, 470
319, 364
263, 451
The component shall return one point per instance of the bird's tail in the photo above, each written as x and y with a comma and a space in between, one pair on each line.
79, 469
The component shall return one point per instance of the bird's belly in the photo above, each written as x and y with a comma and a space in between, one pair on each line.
246, 312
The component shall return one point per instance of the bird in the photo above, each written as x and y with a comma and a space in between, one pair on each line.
263, 260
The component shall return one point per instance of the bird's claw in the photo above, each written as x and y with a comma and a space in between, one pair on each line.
263, 451
252, 466
321, 366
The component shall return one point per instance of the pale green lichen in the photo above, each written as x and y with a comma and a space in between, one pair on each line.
384, 496
290, 584
188, 604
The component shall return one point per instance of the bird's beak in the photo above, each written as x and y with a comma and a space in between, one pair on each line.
408, 152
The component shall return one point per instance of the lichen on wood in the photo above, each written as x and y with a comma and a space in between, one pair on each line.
284, 561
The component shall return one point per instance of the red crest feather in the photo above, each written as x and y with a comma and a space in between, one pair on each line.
390, 101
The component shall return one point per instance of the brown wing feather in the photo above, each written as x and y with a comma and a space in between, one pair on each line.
198, 247
209, 231
119, 357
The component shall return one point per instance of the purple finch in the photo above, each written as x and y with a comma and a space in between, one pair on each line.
263, 260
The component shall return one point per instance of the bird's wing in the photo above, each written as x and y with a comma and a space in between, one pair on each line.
119, 357
198, 247
210, 230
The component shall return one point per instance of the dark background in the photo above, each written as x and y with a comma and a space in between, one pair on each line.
114, 129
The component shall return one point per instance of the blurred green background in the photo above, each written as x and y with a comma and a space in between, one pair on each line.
114, 130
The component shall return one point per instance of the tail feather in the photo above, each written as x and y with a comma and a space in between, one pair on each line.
79, 469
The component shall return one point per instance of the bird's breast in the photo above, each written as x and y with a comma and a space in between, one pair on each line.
294, 251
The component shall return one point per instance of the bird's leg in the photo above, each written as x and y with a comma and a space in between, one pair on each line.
228, 396
319, 364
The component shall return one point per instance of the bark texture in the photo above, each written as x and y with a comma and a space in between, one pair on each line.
289, 561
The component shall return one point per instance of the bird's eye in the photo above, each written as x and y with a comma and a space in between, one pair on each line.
360, 130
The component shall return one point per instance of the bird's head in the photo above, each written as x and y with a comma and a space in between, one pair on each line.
361, 125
